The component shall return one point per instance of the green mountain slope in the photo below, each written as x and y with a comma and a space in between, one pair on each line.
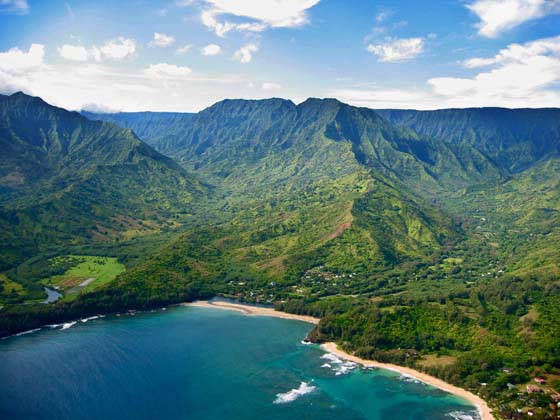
233, 138
158, 129
65, 179
514, 138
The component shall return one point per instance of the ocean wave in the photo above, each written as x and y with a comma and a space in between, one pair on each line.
27, 332
90, 318
464, 415
411, 379
337, 365
67, 325
294, 394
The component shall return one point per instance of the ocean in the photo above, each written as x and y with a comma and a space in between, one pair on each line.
200, 363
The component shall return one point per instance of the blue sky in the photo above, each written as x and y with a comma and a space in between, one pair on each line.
184, 55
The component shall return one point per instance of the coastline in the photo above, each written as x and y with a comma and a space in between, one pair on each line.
475, 400
478, 402
252, 310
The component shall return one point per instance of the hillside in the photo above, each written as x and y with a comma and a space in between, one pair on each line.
514, 138
157, 129
65, 179
413, 235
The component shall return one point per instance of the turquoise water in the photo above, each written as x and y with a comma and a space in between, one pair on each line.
198, 363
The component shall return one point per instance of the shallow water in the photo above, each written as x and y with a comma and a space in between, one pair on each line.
199, 363
52, 295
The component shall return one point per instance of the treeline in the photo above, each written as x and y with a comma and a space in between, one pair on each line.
139, 289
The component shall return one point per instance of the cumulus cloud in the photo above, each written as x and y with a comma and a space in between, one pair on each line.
108, 85
521, 75
14, 6
497, 16
211, 49
73, 52
119, 48
164, 69
15, 61
245, 54
257, 15
116, 49
161, 40
396, 50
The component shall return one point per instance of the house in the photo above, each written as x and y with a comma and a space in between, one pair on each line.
540, 381
510, 386
531, 389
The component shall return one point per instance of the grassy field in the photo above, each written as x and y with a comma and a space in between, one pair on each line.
86, 274
9, 288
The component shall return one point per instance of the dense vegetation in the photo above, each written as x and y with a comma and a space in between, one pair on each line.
429, 239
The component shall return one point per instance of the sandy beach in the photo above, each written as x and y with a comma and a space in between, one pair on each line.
332, 348
431, 380
252, 310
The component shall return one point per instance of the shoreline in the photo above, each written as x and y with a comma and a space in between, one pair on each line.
475, 400
479, 403
251, 310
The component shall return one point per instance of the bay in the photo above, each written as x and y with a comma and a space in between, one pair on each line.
198, 363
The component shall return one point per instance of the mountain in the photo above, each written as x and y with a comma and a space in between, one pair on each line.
235, 139
64, 178
158, 129
513, 138
424, 238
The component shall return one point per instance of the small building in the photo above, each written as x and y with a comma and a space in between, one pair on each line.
540, 381
510, 386
531, 389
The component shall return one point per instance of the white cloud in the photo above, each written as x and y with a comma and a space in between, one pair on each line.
119, 48
385, 98
167, 70
161, 40
15, 61
497, 16
271, 86
14, 6
245, 54
116, 49
519, 53
184, 49
520, 73
525, 75
259, 15
395, 50
111, 86
211, 49
73, 52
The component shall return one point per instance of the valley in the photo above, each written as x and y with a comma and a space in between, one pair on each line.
418, 238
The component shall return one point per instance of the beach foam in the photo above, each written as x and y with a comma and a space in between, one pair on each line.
464, 415
294, 394
90, 318
337, 365
409, 378
27, 332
